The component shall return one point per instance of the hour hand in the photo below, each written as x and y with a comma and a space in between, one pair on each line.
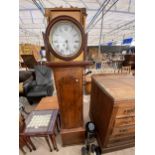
67, 47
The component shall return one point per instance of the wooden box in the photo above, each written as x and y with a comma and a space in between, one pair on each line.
112, 110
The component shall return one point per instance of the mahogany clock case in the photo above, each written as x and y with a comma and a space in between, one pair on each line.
68, 75
47, 33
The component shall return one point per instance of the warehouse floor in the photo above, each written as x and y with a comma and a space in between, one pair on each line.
42, 147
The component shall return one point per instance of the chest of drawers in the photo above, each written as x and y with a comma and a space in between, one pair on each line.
112, 109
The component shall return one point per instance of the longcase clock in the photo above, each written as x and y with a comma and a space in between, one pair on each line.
65, 41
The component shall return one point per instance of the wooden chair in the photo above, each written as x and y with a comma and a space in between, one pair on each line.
123, 70
126, 69
23, 140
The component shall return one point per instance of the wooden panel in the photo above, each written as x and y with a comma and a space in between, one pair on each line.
51, 58
118, 147
73, 136
100, 110
119, 142
77, 13
126, 111
123, 130
68, 64
74, 14
119, 87
69, 89
120, 137
124, 121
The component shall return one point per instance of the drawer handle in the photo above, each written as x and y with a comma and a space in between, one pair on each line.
128, 111
123, 130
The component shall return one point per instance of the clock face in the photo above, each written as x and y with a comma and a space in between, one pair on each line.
65, 38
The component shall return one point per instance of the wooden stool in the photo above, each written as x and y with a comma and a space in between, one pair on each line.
126, 69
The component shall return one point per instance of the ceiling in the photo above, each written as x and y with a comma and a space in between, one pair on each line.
107, 20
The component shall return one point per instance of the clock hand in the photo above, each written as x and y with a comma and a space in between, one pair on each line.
67, 47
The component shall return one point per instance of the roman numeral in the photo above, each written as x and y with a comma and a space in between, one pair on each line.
65, 28
55, 41
76, 41
61, 51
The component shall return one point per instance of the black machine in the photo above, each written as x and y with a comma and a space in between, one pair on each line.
90, 148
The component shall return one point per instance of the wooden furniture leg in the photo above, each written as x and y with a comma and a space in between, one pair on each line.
23, 142
27, 113
48, 142
27, 145
30, 142
21, 148
54, 142
58, 123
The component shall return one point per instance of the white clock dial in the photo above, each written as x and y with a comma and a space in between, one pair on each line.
65, 38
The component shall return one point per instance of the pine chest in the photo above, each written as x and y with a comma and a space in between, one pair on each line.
112, 109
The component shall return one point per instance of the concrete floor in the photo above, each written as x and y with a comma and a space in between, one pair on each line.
42, 147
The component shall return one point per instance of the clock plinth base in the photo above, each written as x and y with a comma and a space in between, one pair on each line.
73, 136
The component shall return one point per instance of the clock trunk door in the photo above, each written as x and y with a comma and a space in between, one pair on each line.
69, 87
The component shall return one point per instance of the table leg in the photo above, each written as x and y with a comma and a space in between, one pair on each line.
30, 142
27, 113
47, 140
59, 120
54, 142
21, 148
58, 123
28, 146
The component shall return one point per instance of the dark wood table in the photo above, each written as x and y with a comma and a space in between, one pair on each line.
40, 128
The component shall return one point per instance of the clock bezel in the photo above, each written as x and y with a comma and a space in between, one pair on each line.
47, 33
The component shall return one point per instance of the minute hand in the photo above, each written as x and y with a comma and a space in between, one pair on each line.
68, 47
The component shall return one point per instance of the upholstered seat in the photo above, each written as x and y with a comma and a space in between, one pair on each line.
42, 85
